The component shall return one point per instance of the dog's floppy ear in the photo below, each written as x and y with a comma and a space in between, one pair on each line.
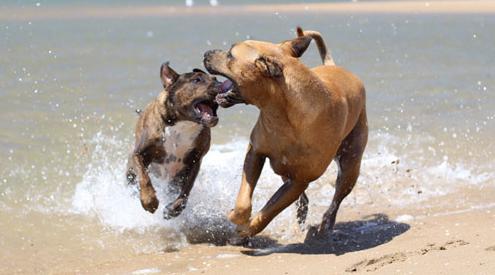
167, 75
297, 46
269, 66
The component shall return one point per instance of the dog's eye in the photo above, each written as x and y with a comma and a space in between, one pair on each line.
197, 79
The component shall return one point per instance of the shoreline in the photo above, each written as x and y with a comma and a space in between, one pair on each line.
11, 13
438, 239
420, 246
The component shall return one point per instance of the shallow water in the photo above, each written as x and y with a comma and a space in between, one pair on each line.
69, 88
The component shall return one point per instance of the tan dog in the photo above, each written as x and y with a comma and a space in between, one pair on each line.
173, 135
308, 117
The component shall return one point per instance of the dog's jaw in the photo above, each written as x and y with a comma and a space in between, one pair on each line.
206, 112
229, 94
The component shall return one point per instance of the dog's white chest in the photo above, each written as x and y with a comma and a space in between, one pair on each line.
178, 140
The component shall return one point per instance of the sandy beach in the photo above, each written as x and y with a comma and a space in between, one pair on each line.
73, 82
375, 239
461, 243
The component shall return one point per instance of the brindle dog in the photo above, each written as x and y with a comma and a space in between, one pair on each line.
308, 117
173, 135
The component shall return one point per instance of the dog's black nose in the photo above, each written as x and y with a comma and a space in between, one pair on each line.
209, 53
207, 60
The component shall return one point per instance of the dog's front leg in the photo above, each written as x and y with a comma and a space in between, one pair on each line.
184, 180
284, 196
253, 164
147, 192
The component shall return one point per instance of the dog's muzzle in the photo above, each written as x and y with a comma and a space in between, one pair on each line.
208, 60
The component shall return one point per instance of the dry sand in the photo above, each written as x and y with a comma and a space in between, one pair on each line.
101, 11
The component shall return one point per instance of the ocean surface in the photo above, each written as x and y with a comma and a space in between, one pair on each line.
69, 88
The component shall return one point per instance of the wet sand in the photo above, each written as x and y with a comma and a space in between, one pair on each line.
436, 239
401, 7
452, 244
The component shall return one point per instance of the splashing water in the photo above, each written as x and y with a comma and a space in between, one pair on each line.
386, 175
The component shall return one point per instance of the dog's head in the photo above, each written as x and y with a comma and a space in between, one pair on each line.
253, 69
191, 96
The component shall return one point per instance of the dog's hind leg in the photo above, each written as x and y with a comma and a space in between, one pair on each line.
348, 160
302, 209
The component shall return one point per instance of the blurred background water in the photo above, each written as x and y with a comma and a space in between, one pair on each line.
69, 88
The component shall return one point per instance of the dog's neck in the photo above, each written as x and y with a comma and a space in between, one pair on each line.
294, 101
166, 108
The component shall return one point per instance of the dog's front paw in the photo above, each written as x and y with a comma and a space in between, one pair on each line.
237, 240
174, 209
244, 231
239, 217
149, 200
253, 226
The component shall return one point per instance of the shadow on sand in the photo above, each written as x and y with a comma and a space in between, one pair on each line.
369, 232
220, 231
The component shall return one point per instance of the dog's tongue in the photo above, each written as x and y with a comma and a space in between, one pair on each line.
206, 111
226, 86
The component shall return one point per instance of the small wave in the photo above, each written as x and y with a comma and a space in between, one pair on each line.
388, 175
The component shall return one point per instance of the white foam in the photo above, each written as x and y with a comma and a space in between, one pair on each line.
104, 193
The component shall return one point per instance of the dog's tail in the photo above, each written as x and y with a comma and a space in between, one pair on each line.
325, 55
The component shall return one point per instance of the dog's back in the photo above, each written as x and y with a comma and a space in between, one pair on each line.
339, 81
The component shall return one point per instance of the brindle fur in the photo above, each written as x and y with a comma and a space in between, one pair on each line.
172, 106
308, 117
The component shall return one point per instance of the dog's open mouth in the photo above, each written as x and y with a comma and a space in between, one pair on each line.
226, 86
228, 94
206, 111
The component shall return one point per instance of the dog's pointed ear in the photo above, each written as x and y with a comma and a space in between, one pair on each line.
269, 66
297, 46
167, 75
